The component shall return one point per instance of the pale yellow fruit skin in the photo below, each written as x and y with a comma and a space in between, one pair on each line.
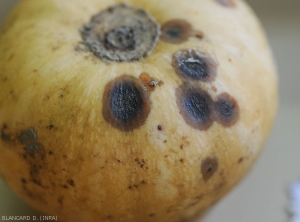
141, 175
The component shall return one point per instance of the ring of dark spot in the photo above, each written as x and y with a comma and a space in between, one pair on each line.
176, 31
195, 106
125, 104
194, 65
121, 33
208, 167
226, 110
226, 3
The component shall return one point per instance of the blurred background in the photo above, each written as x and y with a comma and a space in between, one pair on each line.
263, 196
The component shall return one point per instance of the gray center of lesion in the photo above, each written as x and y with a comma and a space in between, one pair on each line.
121, 38
121, 34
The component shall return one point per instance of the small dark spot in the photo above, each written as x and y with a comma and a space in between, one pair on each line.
151, 215
226, 110
110, 217
50, 152
23, 180
125, 104
226, 3
50, 127
208, 167
176, 31
27, 135
65, 157
194, 65
61, 96
181, 146
119, 161
241, 160
143, 182
60, 200
71, 183
159, 127
181, 160
195, 105
165, 141
65, 186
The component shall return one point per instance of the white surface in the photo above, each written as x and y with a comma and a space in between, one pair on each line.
263, 196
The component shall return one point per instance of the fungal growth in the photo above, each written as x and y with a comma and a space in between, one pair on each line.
208, 167
227, 110
194, 65
195, 105
121, 33
125, 104
176, 31
27, 135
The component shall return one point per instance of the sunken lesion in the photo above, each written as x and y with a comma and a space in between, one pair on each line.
195, 105
126, 104
194, 65
226, 110
121, 33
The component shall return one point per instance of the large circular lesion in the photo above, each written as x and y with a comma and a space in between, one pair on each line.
126, 104
121, 33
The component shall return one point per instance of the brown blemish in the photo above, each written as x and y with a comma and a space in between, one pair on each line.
226, 3
198, 34
51, 126
214, 89
23, 180
226, 110
71, 182
121, 33
149, 83
208, 167
195, 106
176, 31
194, 65
126, 104
241, 160
151, 215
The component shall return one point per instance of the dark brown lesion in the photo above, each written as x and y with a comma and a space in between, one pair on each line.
121, 33
226, 3
126, 104
226, 110
208, 167
176, 31
195, 105
194, 65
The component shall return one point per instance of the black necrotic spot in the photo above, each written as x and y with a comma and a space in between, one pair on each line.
227, 110
126, 101
194, 65
125, 104
196, 106
193, 68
